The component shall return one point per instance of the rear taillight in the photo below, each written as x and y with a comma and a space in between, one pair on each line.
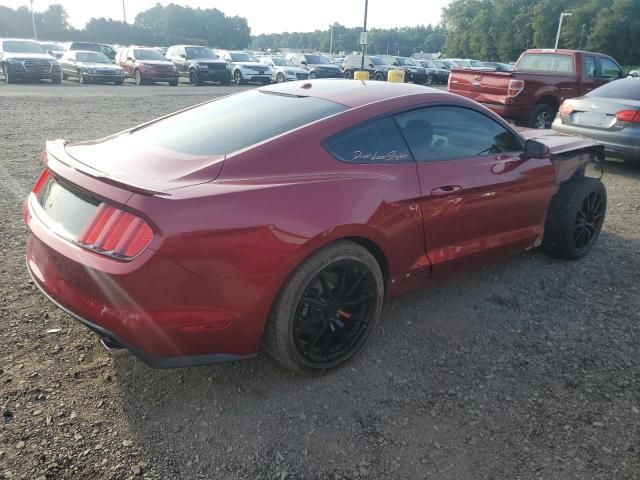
566, 109
628, 116
515, 87
116, 233
44, 176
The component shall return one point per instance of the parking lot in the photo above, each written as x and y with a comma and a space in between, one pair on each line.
525, 369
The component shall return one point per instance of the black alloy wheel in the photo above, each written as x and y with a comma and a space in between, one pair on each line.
334, 312
589, 220
430, 79
237, 77
379, 76
326, 310
280, 78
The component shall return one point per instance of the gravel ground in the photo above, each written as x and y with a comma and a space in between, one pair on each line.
525, 369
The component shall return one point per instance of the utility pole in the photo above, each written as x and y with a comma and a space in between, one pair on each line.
363, 35
582, 36
562, 15
33, 22
331, 42
124, 12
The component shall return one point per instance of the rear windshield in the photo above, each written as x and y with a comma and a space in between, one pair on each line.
235, 122
93, 57
546, 62
199, 52
317, 60
625, 89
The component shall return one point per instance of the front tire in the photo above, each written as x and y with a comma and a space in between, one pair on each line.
379, 77
327, 309
194, 78
8, 77
348, 75
429, 80
280, 78
138, 77
312, 76
542, 117
575, 218
237, 77
81, 78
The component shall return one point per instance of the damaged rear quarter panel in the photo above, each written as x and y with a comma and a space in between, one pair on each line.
570, 154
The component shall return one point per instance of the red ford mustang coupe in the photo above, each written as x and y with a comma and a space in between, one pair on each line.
202, 235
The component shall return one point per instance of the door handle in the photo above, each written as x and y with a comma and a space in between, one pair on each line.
446, 190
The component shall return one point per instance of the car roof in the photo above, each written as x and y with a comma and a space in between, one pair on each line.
351, 93
18, 40
85, 51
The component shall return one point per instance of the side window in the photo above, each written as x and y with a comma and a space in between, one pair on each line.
590, 66
377, 141
609, 68
449, 133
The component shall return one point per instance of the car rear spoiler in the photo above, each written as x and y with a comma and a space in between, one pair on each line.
56, 152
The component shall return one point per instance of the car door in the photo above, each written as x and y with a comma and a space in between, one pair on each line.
589, 74
479, 198
181, 60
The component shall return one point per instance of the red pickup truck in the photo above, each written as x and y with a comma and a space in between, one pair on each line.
541, 80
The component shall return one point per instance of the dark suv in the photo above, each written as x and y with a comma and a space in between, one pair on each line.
378, 69
103, 48
318, 66
412, 73
199, 64
27, 60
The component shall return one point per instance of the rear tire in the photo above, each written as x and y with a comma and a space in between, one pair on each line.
327, 309
429, 80
174, 83
56, 80
348, 75
312, 75
81, 78
575, 218
119, 82
280, 78
379, 77
542, 117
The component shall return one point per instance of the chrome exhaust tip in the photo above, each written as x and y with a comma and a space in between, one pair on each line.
114, 348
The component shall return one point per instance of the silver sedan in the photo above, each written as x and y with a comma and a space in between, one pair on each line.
610, 115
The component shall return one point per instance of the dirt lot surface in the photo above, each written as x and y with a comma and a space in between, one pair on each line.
525, 369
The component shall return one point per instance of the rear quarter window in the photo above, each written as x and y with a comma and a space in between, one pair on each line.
377, 141
234, 122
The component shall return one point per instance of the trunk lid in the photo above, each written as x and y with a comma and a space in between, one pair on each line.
147, 168
598, 113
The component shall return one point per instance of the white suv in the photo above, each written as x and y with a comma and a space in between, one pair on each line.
282, 70
245, 68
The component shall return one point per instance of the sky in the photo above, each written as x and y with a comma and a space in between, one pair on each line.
266, 16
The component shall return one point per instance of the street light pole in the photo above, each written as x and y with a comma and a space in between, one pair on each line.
364, 45
33, 22
562, 15
124, 12
582, 36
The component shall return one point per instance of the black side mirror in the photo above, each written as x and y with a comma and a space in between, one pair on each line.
303, 62
371, 65
183, 55
129, 58
533, 149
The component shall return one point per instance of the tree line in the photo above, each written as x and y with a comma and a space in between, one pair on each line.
484, 29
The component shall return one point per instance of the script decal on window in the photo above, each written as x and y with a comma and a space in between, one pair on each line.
391, 156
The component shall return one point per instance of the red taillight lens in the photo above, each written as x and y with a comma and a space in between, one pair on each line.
629, 116
116, 233
515, 87
44, 176
566, 109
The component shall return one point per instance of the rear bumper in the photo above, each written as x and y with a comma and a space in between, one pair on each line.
621, 144
115, 345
